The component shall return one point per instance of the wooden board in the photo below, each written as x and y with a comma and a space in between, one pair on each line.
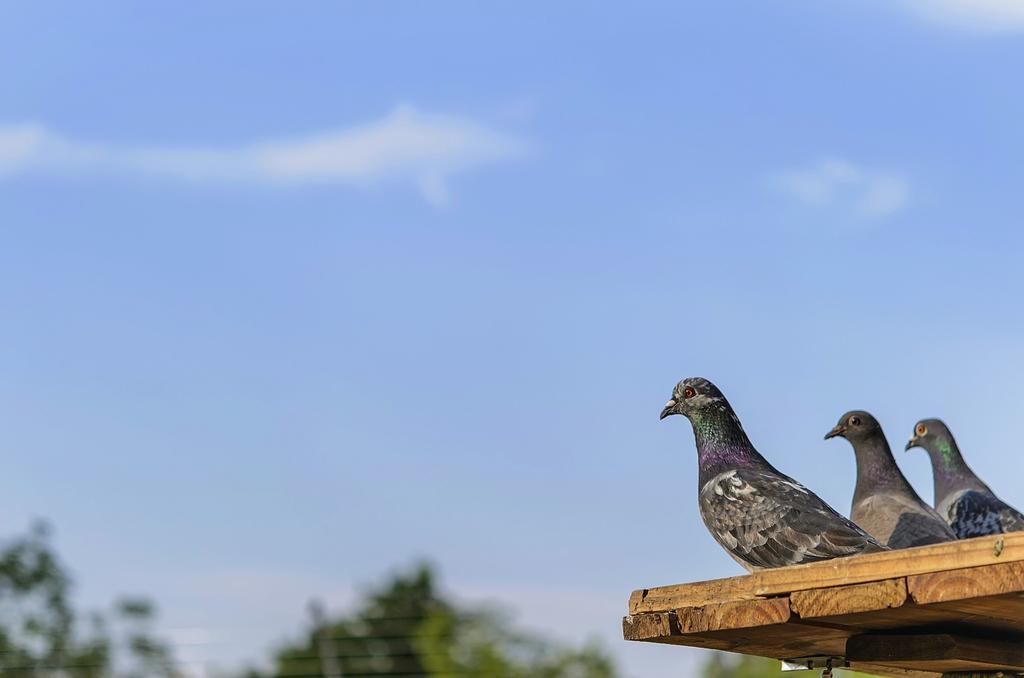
943, 652
837, 572
914, 613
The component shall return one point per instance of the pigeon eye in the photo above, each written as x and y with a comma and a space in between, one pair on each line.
921, 429
689, 392
854, 420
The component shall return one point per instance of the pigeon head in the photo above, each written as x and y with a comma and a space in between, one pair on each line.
721, 442
933, 435
693, 396
950, 471
855, 426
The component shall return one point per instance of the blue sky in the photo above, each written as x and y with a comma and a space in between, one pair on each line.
297, 294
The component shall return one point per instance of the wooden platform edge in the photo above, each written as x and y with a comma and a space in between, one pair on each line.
663, 627
649, 626
980, 551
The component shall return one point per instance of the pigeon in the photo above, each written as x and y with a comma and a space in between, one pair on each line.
961, 498
760, 516
884, 503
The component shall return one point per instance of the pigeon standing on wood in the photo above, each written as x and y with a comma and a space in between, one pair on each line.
884, 503
760, 516
961, 498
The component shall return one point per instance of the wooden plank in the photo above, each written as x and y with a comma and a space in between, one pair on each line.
735, 614
958, 607
649, 626
784, 640
987, 596
1001, 615
842, 600
665, 598
696, 620
726, 629
774, 641
937, 652
975, 552
891, 671
963, 583
907, 616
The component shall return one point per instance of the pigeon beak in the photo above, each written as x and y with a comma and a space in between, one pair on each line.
911, 443
837, 431
670, 409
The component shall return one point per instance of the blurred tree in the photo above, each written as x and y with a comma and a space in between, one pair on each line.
723, 665
407, 628
39, 630
480, 644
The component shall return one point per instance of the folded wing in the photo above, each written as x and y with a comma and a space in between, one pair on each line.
767, 520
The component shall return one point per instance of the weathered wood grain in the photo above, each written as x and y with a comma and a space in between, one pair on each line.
963, 583
649, 626
734, 614
853, 599
707, 592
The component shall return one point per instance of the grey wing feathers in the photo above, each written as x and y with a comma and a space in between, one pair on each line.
769, 520
918, 529
901, 520
976, 513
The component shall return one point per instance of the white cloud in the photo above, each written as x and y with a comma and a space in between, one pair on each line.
841, 184
977, 15
406, 147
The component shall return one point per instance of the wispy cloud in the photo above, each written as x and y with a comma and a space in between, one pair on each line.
405, 147
842, 184
976, 15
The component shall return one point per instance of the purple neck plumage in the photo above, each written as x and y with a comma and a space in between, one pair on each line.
722, 444
951, 472
876, 469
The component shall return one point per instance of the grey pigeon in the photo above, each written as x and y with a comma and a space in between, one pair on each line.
884, 503
760, 516
966, 503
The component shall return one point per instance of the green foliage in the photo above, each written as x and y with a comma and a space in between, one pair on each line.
377, 640
40, 632
479, 644
722, 665
407, 628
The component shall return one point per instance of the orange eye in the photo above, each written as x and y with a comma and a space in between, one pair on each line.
921, 429
689, 392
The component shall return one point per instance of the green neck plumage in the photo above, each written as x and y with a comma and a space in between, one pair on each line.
948, 457
951, 473
718, 429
